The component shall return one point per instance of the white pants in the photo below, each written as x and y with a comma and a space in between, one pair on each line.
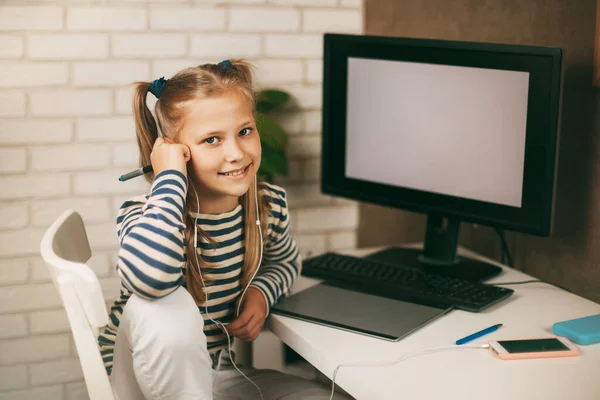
160, 353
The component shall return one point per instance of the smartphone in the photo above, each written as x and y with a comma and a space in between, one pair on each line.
533, 348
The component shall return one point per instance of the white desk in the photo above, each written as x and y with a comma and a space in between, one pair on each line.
457, 374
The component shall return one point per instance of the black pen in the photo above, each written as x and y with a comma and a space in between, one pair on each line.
137, 172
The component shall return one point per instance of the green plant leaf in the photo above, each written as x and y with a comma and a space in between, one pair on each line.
270, 132
273, 162
273, 138
271, 99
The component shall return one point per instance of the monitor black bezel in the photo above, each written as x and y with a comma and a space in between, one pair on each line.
541, 148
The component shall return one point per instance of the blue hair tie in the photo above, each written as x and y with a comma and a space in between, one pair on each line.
157, 87
226, 64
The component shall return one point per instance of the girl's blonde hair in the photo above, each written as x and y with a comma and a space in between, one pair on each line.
193, 83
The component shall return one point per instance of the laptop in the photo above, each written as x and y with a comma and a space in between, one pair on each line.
357, 312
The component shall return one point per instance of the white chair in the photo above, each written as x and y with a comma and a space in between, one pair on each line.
65, 249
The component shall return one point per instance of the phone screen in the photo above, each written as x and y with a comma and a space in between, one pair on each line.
533, 345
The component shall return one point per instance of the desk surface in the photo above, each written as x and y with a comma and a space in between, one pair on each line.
456, 374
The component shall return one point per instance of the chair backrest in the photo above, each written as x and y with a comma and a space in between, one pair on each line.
66, 250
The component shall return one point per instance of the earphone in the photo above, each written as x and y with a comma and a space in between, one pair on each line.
219, 324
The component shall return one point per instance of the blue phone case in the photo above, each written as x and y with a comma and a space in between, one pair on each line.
584, 330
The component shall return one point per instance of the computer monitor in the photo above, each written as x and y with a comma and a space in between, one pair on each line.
459, 131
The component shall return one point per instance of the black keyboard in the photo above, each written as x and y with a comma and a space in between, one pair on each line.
402, 283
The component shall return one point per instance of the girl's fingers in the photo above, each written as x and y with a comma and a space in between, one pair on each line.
250, 327
237, 326
245, 330
252, 333
252, 330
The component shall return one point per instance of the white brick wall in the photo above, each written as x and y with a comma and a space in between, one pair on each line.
72, 157
23, 18
63, 46
297, 46
92, 209
12, 104
21, 74
13, 325
13, 215
148, 45
11, 46
109, 73
103, 19
225, 45
188, 18
264, 19
33, 185
104, 129
67, 133
12, 160
346, 21
70, 102
35, 131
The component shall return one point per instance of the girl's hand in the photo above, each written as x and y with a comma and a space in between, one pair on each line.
249, 323
168, 155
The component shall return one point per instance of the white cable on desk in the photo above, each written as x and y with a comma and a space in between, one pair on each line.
404, 358
531, 281
518, 282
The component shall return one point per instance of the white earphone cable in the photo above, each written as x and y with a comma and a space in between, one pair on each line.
403, 358
260, 247
218, 323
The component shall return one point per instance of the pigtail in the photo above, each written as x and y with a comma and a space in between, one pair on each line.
192, 271
251, 233
243, 68
195, 263
146, 129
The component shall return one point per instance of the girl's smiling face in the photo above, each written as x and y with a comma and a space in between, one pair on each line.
221, 134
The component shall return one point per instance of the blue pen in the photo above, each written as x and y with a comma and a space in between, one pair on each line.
478, 334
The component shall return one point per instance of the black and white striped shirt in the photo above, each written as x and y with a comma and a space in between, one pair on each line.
152, 257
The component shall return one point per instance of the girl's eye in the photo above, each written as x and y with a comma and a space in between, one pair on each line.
245, 131
211, 140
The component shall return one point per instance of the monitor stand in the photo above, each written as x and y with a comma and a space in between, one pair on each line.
439, 253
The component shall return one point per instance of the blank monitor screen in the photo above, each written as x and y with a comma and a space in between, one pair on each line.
459, 130
425, 126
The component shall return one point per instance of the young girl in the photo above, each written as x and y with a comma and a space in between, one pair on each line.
190, 251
